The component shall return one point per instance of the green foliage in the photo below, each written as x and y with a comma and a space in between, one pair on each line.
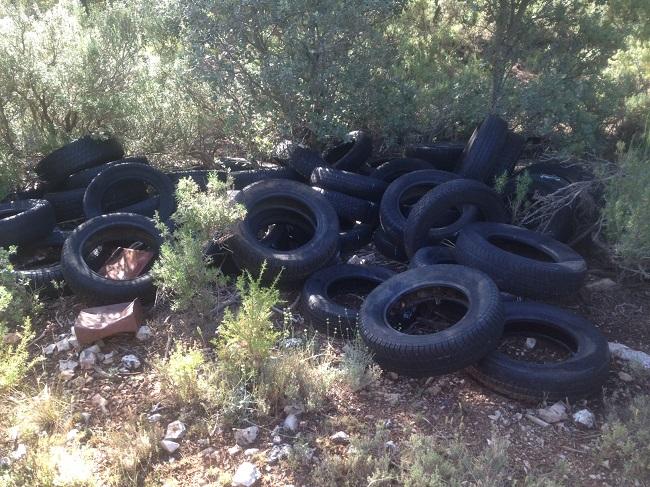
182, 374
182, 272
627, 206
358, 367
16, 301
626, 439
15, 361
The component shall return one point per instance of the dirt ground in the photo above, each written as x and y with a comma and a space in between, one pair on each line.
440, 406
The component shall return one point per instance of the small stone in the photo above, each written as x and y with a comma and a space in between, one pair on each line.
19, 452
5, 462
340, 438
276, 440
246, 475
234, 450
537, 421
49, 350
585, 418
530, 343
175, 431
495, 416
131, 362
109, 358
291, 423
554, 413
207, 452
291, 342
390, 446
95, 349
144, 333
66, 375
249, 452
74, 343
154, 418
392, 398
100, 402
65, 365
393, 376
626, 353
625, 377
169, 446
203, 442
63, 345
246, 436
278, 452
87, 359
601, 285
72, 434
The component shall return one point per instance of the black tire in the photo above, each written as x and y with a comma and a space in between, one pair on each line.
393, 169
272, 202
77, 156
113, 176
34, 193
580, 376
87, 283
41, 277
328, 316
350, 208
83, 178
356, 185
441, 155
424, 223
513, 147
304, 160
352, 153
25, 221
241, 179
388, 247
413, 185
491, 247
462, 344
434, 255
68, 205
356, 237
480, 157
199, 176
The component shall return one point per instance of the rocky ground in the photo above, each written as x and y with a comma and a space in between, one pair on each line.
115, 382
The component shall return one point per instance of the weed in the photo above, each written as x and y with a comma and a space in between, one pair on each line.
182, 375
358, 369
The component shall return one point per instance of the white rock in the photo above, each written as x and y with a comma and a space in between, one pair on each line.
5, 462
626, 353
154, 418
131, 362
19, 452
246, 475
278, 452
601, 285
65, 365
109, 358
234, 450
169, 446
74, 343
625, 377
585, 418
554, 413
49, 350
144, 333
95, 349
249, 452
63, 345
246, 436
101, 402
87, 359
175, 431
340, 438
530, 343
390, 446
291, 422
66, 375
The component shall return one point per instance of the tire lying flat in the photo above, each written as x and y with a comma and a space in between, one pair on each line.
345, 182
434, 255
579, 376
325, 314
272, 202
458, 346
350, 208
521, 262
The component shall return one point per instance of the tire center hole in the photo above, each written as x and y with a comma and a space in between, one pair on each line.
350, 293
127, 192
536, 343
427, 310
284, 227
520, 248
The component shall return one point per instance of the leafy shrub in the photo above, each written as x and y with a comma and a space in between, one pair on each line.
182, 375
182, 271
627, 207
357, 367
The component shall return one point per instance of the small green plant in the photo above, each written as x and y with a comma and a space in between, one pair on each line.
16, 301
520, 200
626, 439
182, 272
182, 375
357, 367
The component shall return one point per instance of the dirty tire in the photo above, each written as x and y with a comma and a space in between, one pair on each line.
41, 279
387, 247
356, 237
350, 208
480, 158
83, 178
417, 183
120, 173
465, 342
322, 311
88, 284
581, 375
25, 221
389, 171
241, 179
345, 182
271, 202
304, 161
434, 255
77, 156
351, 154
423, 223
562, 272
441, 155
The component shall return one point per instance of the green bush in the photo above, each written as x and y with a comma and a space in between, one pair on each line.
182, 272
